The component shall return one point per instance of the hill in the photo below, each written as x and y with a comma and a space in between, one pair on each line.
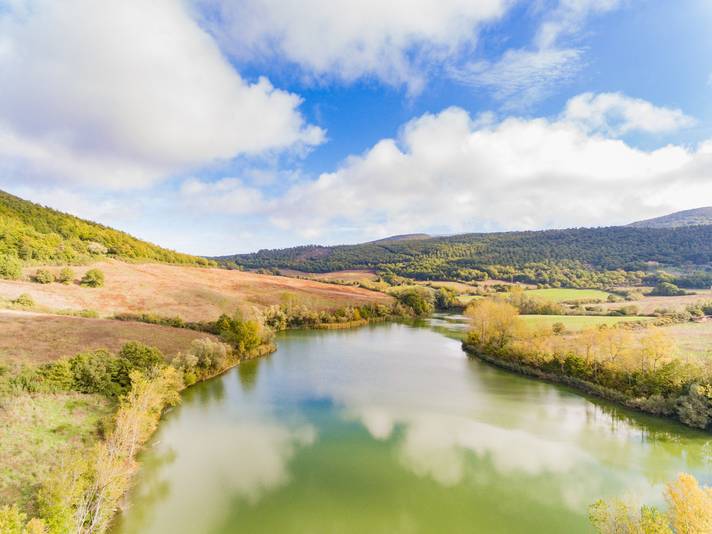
192, 293
402, 237
578, 257
694, 217
37, 234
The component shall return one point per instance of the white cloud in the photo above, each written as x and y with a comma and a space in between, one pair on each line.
522, 77
618, 114
349, 40
451, 173
124, 92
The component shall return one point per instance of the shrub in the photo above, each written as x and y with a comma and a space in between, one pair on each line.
93, 278
140, 356
66, 276
666, 289
418, 299
24, 300
94, 372
10, 267
43, 276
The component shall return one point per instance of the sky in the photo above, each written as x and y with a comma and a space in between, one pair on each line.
227, 126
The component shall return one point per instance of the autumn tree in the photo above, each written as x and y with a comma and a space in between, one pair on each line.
492, 323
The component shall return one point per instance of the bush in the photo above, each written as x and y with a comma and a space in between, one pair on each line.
666, 289
24, 300
10, 267
418, 299
140, 356
66, 276
93, 278
43, 276
94, 372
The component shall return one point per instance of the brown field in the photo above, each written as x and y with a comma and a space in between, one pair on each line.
194, 294
36, 338
459, 287
339, 276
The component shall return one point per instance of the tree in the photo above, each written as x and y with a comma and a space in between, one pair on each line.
656, 346
493, 323
667, 289
418, 299
93, 278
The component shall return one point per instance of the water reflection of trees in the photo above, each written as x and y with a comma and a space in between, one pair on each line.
247, 374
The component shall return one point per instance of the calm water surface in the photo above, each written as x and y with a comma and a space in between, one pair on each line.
392, 429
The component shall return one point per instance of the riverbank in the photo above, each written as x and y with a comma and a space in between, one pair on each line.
689, 407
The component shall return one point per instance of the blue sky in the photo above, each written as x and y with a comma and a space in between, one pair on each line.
217, 126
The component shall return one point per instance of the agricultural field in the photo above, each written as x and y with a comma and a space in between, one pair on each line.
693, 340
192, 293
35, 338
568, 295
649, 304
577, 322
354, 275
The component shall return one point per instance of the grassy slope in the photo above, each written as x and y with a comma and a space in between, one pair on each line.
35, 233
38, 429
36, 338
194, 294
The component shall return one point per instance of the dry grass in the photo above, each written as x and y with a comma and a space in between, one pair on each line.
39, 429
647, 305
693, 340
353, 275
194, 294
35, 338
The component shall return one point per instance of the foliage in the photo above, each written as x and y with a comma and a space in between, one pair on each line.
689, 512
10, 267
93, 278
66, 276
446, 299
33, 233
43, 276
577, 258
667, 289
243, 335
641, 372
24, 300
419, 299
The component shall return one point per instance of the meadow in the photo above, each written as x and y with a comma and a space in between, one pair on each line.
577, 322
568, 295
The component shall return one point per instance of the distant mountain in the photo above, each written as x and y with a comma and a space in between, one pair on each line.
38, 234
694, 217
402, 237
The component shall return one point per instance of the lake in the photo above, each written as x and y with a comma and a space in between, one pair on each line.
391, 428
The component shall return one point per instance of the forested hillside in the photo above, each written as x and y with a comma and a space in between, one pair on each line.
36, 234
582, 257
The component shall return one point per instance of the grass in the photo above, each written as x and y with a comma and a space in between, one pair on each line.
577, 322
37, 429
693, 339
567, 295
35, 338
192, 293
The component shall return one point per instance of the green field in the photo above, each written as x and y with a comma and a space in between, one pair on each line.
577, 322
565, 295
467, 299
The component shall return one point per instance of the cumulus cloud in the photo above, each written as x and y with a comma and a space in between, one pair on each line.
453, 172
123, 93
618, 114
350, 40
227, 195
522, 77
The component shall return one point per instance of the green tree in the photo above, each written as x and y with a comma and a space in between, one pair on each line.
43, 276
66, 276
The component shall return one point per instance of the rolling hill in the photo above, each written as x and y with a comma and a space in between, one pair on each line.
578, 257
694, 217
37, 234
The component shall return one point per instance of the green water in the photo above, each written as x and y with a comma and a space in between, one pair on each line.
392, 429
